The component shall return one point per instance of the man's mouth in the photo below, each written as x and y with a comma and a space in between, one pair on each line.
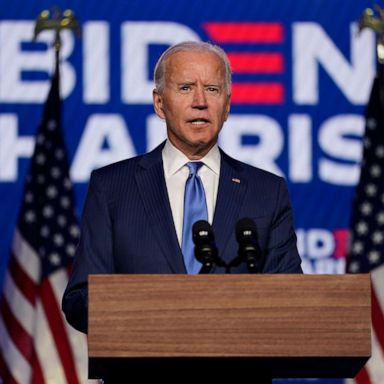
199, 121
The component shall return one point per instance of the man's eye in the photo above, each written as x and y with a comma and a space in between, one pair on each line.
185, 88
213, 89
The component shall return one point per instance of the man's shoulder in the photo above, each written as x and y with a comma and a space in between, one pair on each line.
251, 172
129, 165
117, 167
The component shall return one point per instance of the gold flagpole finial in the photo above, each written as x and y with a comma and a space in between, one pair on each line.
57, 21
376, 23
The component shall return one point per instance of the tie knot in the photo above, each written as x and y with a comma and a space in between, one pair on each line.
194, 167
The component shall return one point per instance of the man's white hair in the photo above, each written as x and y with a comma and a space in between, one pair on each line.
191, 46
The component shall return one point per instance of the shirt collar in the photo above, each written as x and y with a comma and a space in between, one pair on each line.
174, 159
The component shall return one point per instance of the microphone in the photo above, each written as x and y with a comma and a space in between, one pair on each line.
249, 250
205, 247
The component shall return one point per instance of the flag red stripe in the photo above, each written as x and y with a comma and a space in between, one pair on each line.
257, 93
37, 373
55, 320
362, 377
20, 337
245, 32
22, 280
5, 374
256, 62
377, 319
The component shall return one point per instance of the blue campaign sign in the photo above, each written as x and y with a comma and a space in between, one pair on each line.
301, 78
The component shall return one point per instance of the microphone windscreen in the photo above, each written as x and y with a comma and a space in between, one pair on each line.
202, 229
245, 227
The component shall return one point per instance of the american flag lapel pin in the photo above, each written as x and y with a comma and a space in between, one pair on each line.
236, 180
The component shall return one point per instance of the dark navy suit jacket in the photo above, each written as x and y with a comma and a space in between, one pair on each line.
127, 224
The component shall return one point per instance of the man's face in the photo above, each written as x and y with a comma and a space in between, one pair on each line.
194, 102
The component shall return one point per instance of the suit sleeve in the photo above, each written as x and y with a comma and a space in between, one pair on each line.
282, 254
94, 254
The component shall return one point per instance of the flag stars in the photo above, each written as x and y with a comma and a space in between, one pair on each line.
58, 239
44, 231
59, 154
47, 211
55, 172
367, 142
65, 202
30, 217
40, 179
51, 192
366, 208
377, 237
380, 151
67, 183
375, 171
74, 231
380, 218
51, 125
371, 190
371, 123
357, 247
362, 228
40, 159
373, 257
354, 267
28, 197
62, 221
70, 249
40, 138
54, 258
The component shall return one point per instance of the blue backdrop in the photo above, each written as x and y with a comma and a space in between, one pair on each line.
302, 75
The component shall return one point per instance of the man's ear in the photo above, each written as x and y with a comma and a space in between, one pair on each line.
158, 103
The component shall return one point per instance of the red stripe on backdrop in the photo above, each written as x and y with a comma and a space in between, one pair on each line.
245, 32
256, 62
257, 93
22, 280
55, 320
19, 336
377, 319
5, 374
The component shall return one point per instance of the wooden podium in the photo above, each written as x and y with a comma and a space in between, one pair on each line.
270, 325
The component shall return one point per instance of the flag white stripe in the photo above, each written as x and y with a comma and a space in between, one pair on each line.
46, 349
25, 255
77, 340
377, 277
19, 305
375, 364
15, 361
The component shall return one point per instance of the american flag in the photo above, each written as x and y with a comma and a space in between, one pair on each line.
36, 344
367, 241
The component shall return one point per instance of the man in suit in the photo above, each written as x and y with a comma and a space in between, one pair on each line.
134, 211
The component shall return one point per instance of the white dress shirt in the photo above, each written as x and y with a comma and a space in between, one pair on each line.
176, 173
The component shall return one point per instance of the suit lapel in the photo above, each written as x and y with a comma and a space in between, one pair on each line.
230, 197
153, 191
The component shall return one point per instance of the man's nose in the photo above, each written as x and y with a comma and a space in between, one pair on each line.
199, 99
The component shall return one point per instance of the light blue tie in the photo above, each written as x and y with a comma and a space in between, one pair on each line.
195, 208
